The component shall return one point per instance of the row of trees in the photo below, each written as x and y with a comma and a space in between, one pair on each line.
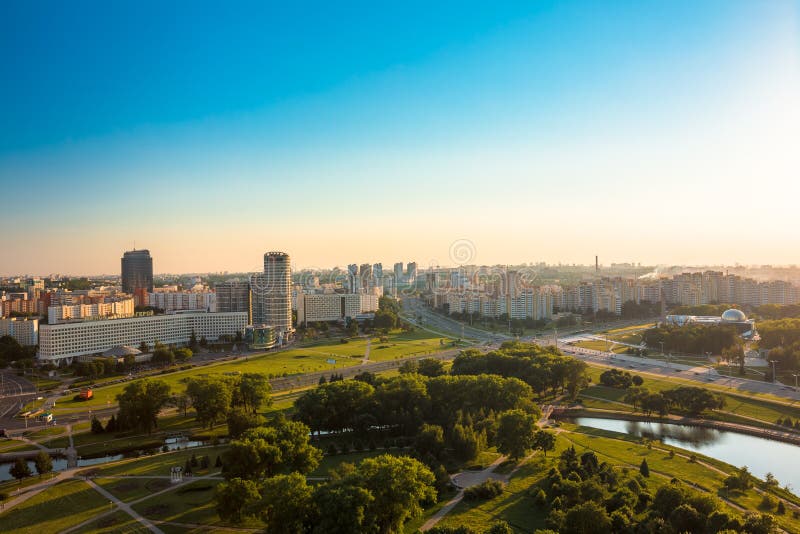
693, 339
236, 399
616, 378
544, 369
691, 400
20, 469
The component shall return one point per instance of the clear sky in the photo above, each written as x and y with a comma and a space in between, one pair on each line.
652, 131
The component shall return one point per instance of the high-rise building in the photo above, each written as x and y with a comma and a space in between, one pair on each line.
271, 293
137, 271
398, 272
234, 296
412, 272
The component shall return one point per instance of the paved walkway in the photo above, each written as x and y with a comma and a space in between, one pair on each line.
122, 506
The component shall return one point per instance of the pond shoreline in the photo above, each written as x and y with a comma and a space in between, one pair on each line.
785, 437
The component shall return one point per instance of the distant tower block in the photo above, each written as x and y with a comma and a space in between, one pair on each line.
596, 264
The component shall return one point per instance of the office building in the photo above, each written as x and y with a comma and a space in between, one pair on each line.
271, 293
137, 271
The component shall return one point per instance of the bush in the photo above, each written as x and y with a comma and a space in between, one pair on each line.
484, 491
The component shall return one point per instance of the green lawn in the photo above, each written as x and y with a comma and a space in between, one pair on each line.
160, 464
190, 503
132, 489
299, 360
116, 523
58, 508
14, 445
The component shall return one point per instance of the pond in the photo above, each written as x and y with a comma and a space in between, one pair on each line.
760, 455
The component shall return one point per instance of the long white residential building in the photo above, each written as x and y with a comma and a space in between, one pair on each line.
62, 342
183, 300
121, 308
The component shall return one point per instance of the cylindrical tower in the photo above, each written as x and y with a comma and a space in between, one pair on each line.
272, 292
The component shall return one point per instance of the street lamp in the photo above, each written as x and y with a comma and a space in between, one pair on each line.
773, 362
795, 375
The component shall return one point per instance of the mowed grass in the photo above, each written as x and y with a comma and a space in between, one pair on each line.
116, 523
160, 464
64, 505
14, 445
189, 503
132, 489
300, 360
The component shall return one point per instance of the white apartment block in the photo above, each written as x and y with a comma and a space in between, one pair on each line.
183, 300
62, 342
64, 313
25, 331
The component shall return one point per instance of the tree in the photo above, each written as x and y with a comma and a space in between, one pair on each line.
43, 463
97, 426
140, 402
430, 441
20, 469
342, 508
235, 498
163, 355
544, 441
352, 328
398, 485
111, 424
183, 355
211, 398
466, 443
183, 403
515, 431
252, 392
285, 504
240, 420
587, 518
268, 450
644, 469
430, 367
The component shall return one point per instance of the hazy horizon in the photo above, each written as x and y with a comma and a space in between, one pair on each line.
656, 132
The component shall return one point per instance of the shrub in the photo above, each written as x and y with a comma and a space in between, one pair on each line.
484, 491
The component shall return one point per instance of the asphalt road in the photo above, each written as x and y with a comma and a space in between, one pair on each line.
671, 370
13, 391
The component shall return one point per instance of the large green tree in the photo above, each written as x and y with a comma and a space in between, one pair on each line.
211, 398
285, 504
399, 485
252, 392
515, 432
43, 463
235, 498
266, 451
140, 402
342, 509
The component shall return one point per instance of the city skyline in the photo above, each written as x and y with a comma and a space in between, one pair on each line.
660, 133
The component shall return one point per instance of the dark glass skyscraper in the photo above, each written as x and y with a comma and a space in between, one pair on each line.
137, 271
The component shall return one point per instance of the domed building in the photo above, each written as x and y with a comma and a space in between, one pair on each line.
732, 317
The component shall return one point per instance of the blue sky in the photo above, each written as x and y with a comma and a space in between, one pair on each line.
537, 130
